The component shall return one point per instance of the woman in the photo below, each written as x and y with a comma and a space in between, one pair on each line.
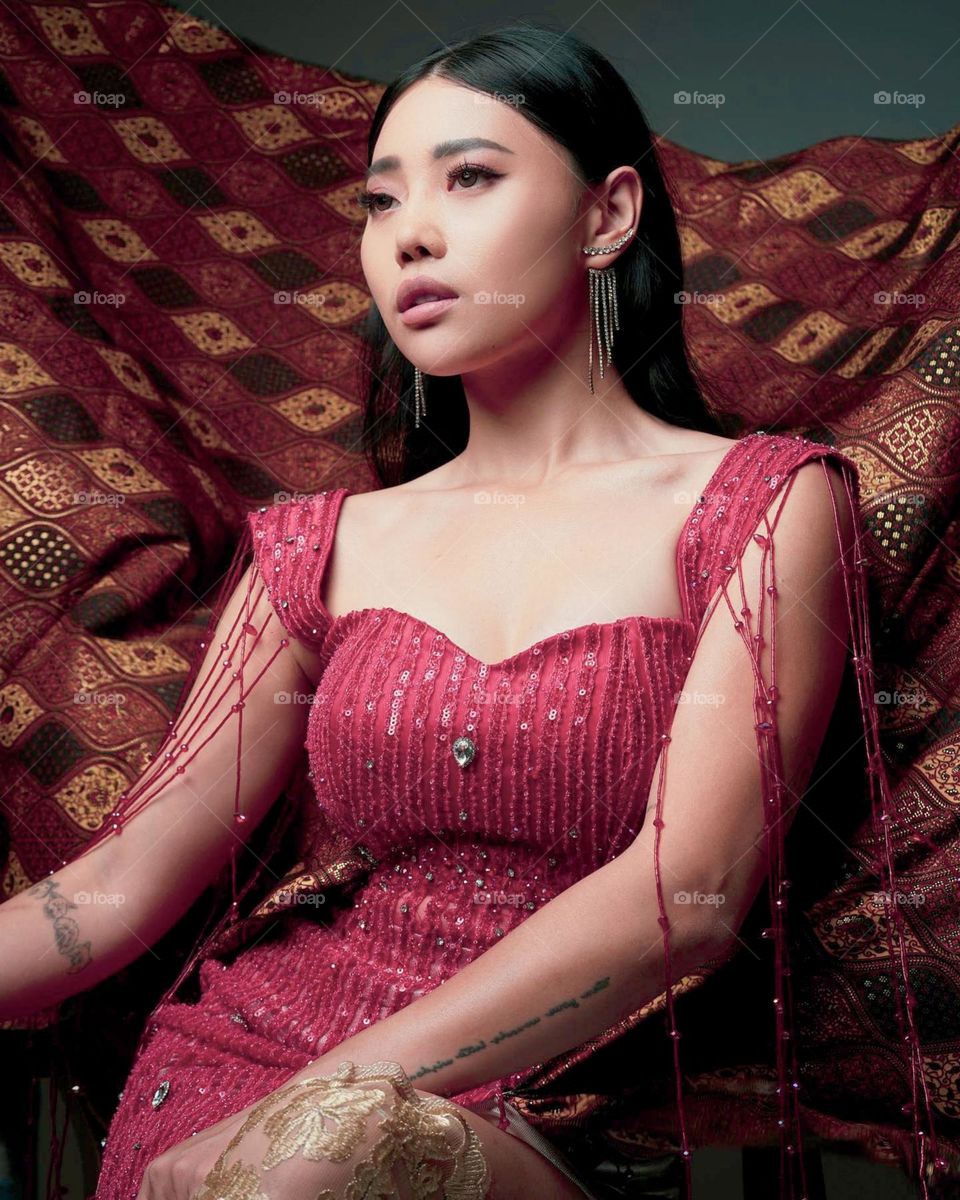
487, 806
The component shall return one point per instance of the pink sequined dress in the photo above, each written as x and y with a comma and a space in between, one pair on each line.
477, 790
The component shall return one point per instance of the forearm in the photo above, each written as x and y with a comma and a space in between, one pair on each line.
108, 906
571, 970
61, 936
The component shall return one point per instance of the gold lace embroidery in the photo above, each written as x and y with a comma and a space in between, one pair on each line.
425, 1150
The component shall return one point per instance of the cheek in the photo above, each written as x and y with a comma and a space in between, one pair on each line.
376, 267
368, 262
518, 254
538, 282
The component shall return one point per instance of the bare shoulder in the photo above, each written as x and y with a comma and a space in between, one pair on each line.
686, 460
693, 441
422, 504
693, 448
368, 515
818, 506
809, 494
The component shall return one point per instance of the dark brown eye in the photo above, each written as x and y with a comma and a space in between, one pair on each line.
368, 200
468, 174
473, 169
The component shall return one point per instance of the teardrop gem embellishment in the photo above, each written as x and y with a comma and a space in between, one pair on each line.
161, 1093
463, 751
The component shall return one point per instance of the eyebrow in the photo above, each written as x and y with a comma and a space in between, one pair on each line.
390, 162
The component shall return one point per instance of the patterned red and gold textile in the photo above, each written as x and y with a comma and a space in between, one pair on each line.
179, 304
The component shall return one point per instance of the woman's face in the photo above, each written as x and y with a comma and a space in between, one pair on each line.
494, 222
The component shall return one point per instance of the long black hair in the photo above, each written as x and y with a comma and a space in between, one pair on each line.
575, 95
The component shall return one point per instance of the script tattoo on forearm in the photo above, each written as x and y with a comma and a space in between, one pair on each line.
503, 1034
66, 931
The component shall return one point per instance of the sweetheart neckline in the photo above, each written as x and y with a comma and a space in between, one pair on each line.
682, 623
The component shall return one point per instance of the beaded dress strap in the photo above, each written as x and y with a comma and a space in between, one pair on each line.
291, 544
731, 507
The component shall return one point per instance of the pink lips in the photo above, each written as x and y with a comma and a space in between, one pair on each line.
427, 310
422, 299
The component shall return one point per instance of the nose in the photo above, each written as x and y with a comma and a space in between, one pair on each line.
417, 234
411, 250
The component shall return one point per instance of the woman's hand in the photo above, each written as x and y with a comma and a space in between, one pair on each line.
317, 1134
228, 1161
178, 1173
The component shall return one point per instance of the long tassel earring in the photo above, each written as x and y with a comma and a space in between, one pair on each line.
420, 404
604, 317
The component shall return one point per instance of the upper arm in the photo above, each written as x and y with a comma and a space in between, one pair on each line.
712, 838
172, 847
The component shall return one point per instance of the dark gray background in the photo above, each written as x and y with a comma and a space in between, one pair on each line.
792, 73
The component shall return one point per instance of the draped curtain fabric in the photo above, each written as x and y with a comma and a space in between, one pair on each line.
180, 298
